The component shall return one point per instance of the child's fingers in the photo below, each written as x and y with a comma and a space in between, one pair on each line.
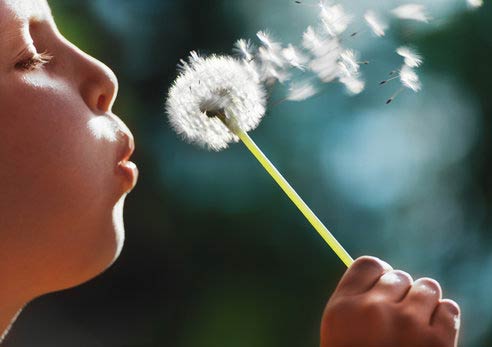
447, 316
393, 285
423, 297
362, 275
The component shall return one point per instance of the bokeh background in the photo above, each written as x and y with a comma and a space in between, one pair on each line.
215, 253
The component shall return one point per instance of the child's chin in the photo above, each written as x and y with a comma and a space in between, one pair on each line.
108, 247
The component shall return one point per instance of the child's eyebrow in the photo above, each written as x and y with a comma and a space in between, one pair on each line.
12, 25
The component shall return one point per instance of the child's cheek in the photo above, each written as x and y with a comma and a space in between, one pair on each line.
50, 143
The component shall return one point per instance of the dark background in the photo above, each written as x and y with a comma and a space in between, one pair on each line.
215, 254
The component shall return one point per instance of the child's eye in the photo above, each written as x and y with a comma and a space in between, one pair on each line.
37, 61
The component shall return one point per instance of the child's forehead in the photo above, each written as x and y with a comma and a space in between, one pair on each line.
15, 15
22, 11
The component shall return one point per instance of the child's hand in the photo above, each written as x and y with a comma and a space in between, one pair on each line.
376, 306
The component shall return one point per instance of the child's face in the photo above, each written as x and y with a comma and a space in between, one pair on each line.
63, 173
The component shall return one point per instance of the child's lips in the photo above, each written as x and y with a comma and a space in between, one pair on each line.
130, 171
127, 167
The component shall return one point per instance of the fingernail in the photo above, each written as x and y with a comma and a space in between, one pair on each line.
457, 322
425, 288
390, 278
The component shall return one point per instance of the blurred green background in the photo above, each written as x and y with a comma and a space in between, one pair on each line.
215, 254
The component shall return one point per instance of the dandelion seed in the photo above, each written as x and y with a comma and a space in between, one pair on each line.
412, 58
348, 62
353, 84
415, 12
311, 40
389, 79
294, 57
348, 72
326, 67
377, 26
227, 86
244, 48
267, 41
269, 56
299, 91
474, 3
409, 78
334, 18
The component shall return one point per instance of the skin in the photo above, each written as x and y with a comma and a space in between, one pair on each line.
61, 157
376, 306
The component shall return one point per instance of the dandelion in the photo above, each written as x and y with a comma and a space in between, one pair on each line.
415, 12
299, 91
412, 58
211, 87
215, 101
474, 3
377, 26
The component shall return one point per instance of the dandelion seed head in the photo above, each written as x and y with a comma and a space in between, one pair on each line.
409, 78
474, 3
211, 87
415, 12
299, 91
377, 26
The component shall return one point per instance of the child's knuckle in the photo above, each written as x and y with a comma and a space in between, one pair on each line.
366, 263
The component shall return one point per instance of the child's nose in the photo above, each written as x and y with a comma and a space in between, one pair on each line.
99, 85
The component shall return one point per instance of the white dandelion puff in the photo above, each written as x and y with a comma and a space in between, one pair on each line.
415, 12
299, 91
411, 57
377, 26
244, 48
334, 18
294, 57
409, 78
213, 87
474, 3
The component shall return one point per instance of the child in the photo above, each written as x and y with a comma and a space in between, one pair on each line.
65, 174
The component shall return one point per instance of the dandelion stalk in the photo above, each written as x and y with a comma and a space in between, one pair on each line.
289, 191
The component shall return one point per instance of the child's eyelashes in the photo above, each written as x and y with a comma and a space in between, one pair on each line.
34, 62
